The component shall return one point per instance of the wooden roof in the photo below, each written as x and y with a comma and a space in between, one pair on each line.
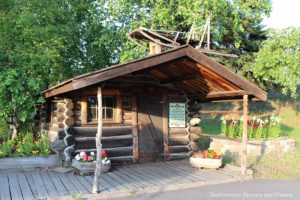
185, 68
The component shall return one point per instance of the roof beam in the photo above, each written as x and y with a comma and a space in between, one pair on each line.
216, 95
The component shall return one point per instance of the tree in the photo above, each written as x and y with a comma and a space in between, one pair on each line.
278, 60
236, 25
45, 42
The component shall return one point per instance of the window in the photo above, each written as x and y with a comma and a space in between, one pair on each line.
108, 104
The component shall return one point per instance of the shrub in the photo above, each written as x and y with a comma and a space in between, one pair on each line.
6, 149
43, 145
25, 146
204, 142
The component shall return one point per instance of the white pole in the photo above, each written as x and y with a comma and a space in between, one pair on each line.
245, 136
96, 185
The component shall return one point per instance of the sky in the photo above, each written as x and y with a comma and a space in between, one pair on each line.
284, 13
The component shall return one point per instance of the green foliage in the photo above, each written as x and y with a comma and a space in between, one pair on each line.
235, 25
25, 145
45, 42
204, 142
43, 145
6, 149
278, 60
257, 128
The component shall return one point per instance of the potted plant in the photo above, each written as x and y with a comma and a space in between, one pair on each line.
85, 162
210, 158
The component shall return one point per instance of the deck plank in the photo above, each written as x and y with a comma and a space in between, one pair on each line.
146, 177
77, 184
121, 182
15, 189
68, 185
39, 185
104, 186
172, 174
61, 189
49, 185
113, 183
189, 175
30, 181
132, 175
4, 189
25, 188
131, 178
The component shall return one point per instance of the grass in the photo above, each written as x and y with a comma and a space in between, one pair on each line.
275, 165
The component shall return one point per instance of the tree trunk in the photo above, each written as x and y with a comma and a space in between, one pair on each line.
96, 185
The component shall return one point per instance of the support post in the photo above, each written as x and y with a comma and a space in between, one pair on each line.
96, 184
166, 127
245, 136
134, 122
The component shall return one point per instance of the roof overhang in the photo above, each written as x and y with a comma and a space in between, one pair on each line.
187, 69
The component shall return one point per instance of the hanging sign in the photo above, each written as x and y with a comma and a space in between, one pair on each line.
177, 115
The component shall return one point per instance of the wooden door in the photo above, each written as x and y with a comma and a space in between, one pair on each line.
150, 128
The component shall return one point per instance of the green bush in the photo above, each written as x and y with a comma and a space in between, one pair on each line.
27, 145
6, 149
204, 142
43, 145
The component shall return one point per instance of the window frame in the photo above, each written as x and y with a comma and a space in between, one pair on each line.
95, 121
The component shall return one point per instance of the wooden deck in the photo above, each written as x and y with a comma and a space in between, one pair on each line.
45, 184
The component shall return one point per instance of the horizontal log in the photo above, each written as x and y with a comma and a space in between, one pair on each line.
177, 131
178, 156
106, 131
88, 139
178, 140
179, 149
121, 159
112, 152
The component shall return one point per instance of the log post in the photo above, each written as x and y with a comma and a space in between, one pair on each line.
134, 122
96, 185
166, 127
245, 136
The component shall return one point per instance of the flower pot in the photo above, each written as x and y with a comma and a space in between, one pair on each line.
206, 163
87, 168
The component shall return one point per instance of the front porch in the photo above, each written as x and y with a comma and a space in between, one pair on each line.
121, 181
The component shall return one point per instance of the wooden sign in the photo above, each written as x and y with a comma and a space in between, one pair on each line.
177, 115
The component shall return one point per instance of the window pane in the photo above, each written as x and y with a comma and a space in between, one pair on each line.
109, 102
92, 100
92, 114
109, 113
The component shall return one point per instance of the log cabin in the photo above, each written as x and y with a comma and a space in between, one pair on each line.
149, 105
